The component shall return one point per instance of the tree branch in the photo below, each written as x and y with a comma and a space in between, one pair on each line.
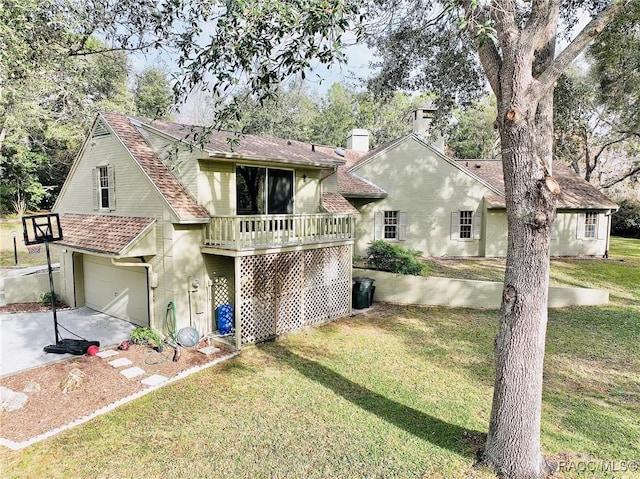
624, 176
547, 79
488, 53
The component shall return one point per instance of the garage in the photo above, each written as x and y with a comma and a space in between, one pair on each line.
114, 290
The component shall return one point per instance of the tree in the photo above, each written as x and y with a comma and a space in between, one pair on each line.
54, 75
290, 113
45, 118
152, 94
514, 45
474, 136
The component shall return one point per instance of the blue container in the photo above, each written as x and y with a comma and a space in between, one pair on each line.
224, 318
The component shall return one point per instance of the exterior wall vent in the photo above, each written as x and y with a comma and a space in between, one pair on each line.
100, 130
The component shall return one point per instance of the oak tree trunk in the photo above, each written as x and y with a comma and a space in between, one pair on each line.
513, 447
513, 443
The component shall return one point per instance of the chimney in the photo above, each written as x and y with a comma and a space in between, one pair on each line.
358, 140
422, 120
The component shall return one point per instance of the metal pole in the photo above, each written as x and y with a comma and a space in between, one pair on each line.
53, 294
15, 247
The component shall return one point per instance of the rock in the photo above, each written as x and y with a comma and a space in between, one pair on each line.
11, 400
73, 380
32, 387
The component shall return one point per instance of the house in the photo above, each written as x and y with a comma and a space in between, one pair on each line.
154, 221
410, 192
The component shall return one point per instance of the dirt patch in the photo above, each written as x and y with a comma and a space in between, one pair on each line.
30, 307
48, 408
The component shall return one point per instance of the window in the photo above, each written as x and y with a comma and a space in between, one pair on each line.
264, 191
466, 224
391, 225
104, 188
590, 225
103, 185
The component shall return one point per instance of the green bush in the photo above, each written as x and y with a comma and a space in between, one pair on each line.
386, 256
145, 336
626, 221
45, 298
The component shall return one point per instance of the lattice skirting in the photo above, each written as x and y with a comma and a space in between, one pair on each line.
287, 291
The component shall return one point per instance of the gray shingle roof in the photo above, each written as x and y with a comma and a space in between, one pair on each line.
252, 146
575, 192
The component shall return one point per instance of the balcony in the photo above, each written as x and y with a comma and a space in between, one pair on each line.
266, 231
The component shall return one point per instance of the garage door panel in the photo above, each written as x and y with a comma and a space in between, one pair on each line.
118, 291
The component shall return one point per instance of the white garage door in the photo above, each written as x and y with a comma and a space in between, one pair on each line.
118, 291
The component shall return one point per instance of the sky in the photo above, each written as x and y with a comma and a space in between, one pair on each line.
319, 78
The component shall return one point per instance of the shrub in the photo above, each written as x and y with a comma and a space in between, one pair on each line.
626, 221
145, 336
45, 298
386, 256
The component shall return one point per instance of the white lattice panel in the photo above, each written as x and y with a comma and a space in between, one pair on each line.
283, 292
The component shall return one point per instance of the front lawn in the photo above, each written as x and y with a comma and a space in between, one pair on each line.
9, 226
399, 392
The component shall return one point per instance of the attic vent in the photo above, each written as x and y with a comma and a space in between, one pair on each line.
478, 165
339, 152
100, 130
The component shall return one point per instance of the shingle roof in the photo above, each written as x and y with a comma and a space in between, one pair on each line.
253, 146
181, 202
101, 233
338, 204
575, 192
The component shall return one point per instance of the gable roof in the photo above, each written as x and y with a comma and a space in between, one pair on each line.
352, 185
575, 192
254, 147
175, 194
113, 235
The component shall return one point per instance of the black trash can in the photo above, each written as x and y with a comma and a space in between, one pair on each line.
362, 294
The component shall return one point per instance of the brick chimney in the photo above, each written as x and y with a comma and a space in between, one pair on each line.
358, 140
422, 120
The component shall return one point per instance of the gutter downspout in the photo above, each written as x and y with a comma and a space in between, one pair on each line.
606, 250
151, 284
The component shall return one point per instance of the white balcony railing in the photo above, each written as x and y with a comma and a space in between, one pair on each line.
252, 231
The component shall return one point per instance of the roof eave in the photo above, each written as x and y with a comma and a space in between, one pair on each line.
227, 156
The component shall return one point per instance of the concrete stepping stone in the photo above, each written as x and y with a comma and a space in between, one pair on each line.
209, 350
154, 380
107, 354
118, 363
132, 372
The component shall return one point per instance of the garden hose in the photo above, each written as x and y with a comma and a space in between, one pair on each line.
170, 323
170, 320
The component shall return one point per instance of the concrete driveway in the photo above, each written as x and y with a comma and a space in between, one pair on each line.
24, 335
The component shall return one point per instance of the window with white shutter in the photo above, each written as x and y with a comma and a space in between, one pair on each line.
466, 225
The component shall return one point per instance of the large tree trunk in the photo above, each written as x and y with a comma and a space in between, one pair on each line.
513, 445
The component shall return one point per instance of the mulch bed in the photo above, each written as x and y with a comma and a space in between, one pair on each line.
49, 408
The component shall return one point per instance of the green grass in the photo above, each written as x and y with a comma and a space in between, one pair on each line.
11, 224
399, 392
620, 274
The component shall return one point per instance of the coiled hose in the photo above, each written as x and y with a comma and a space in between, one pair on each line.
170, 324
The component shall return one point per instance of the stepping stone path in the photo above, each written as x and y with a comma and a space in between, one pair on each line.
132, 372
